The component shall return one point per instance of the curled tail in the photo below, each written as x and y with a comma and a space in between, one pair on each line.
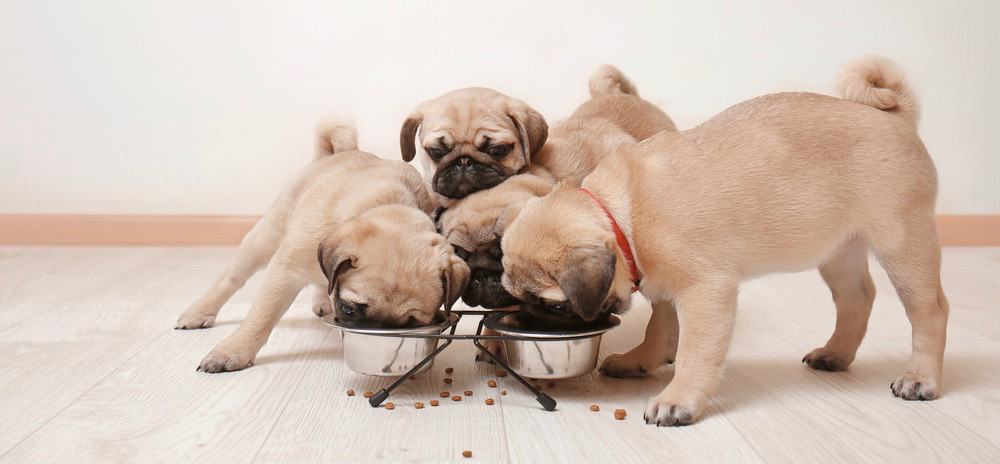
608, 79
335, 135
881, 83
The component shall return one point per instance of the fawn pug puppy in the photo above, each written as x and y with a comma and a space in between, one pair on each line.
472, 139
613, 116
379, 255
778, 183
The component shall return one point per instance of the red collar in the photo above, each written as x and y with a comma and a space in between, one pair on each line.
622, 241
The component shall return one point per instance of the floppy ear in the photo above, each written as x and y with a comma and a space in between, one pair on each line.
532, 128
406, 135
454, 278
507, 217
586, 279
333, 264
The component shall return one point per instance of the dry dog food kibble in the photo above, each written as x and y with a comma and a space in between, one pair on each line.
434, 403
456, 398
595, 408
444, 394
390, 406
489, 401
350, 392
467, 454
449, 370
503, 392
492, 383
368, 394
418, 405
447, 380
501, 373
620, 414
468, 393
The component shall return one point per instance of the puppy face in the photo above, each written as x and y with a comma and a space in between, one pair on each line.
561, 260
384, 274
472, 139
474, 227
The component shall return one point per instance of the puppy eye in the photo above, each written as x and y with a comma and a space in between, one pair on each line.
461, 252
559, 308
499, 150
436, 152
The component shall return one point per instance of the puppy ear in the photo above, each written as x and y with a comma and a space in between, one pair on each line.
507, 217
454, 278
532, 128
333, 264
586, 279
406, 135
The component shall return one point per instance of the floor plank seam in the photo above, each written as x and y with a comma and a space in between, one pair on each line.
277, 417
82, 394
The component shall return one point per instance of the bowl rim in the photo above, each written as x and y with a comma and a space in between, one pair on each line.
493, 323
331, 320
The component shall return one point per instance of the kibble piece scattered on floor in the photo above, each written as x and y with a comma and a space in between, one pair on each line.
456, 398
503, 392
449, 370
418, 405
350, 393
468, 392
620, 414
492, 383
444, 394
501, 373
467, 454
434, 402
390, 406
489, 401
447, 380
368, 394
551, 385
595, 408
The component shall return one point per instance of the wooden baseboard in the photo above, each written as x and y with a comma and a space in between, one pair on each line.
85, 229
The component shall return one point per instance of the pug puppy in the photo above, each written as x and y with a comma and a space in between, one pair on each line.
783, 182
613, 116
379, 255
472, 139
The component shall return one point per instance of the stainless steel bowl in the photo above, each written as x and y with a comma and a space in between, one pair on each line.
560, 355
369, 351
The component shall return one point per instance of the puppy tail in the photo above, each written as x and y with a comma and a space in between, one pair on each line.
879, 82
334, 135
608, 79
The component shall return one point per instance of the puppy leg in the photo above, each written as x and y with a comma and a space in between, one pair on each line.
706, 312
659, 347
254, 252
321, 301
238, 350
853, 292
915, 270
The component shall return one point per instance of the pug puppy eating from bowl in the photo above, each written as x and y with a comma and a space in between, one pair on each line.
783, 182
353, 225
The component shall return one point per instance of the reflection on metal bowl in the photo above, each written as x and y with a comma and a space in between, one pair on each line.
550, 354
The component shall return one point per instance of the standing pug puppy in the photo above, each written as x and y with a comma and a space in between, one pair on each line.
614, 115
783, 182
379, 254
472, 139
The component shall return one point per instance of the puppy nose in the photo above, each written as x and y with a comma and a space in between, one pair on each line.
465, 161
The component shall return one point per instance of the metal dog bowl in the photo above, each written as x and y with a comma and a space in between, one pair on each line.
550, 354
388, 352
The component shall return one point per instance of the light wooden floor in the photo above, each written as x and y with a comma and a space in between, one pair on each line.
93, 372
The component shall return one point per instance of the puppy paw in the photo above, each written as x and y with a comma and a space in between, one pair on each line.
665, 412
496, 347
825, 359
624, 366
194, 320
220, 360
913, 387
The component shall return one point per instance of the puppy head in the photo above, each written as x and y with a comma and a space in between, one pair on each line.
474, 227
384, 270
561, 260
472, 139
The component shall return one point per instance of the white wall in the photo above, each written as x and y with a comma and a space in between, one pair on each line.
200, 106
